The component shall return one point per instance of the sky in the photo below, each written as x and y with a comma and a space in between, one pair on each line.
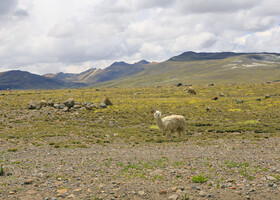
50, 36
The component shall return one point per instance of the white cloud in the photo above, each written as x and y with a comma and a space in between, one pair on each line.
51, 36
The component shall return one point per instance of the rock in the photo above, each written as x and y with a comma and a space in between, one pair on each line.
239, 101
202, 194
62, 191
78, 190
69, 102
173, 197
271, 178
32, 105
211, 84
43, 103
179, 84
77, 106
174, 189
215, 98
31, 192
71, 196
267, 96
271, 184
91, 106
103, 105
141, 193
50, 103
222, 95
163, 192
59, 105
182, 188
65, 109
196, 187
252, 190
56, 105
12, 192
259, 99
211, 195
208, 108
107, 102
28, 182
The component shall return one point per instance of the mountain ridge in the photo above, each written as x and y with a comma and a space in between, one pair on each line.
17, 79
188, 67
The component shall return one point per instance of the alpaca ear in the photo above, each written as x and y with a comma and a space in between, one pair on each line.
153, 110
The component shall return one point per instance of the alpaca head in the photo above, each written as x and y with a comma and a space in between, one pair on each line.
157, 114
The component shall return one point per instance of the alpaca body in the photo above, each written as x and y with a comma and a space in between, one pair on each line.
170, 124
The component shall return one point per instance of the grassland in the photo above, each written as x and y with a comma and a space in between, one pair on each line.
130, 118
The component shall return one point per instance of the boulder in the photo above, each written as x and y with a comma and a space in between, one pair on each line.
69, 102
50, 103
43, 103
33, 105
77, 106
239, 101
179, 84
65, 109
103, 105
107, 102
59, 105
214, 98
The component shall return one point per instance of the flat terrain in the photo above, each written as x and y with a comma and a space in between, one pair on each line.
230, 150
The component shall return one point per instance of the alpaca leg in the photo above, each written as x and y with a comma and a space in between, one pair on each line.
180, 133
168, 134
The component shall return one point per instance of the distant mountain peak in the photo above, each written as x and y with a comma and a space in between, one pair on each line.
143, 62
121, 63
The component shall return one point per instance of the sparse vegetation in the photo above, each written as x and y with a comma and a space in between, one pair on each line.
199, 179
122, 146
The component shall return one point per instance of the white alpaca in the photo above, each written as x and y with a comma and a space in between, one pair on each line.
170, 124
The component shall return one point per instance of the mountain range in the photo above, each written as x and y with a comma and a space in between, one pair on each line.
188, 67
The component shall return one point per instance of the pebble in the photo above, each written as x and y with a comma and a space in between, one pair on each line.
271, 184
28, 182
252, 190
196, 187
248, 197
163, 192
173, 197
71, 196
141, 193
210, 195
62, 191
271, 178
202, 194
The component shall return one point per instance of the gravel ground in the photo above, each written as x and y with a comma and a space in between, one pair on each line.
229, 169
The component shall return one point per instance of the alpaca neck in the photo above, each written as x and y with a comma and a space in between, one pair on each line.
159, 123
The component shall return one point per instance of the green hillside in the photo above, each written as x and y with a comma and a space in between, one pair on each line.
231, 69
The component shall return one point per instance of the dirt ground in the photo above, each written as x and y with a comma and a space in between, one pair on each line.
228, 169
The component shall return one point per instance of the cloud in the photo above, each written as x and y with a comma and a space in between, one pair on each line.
7, 6
50, 36
215, 6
